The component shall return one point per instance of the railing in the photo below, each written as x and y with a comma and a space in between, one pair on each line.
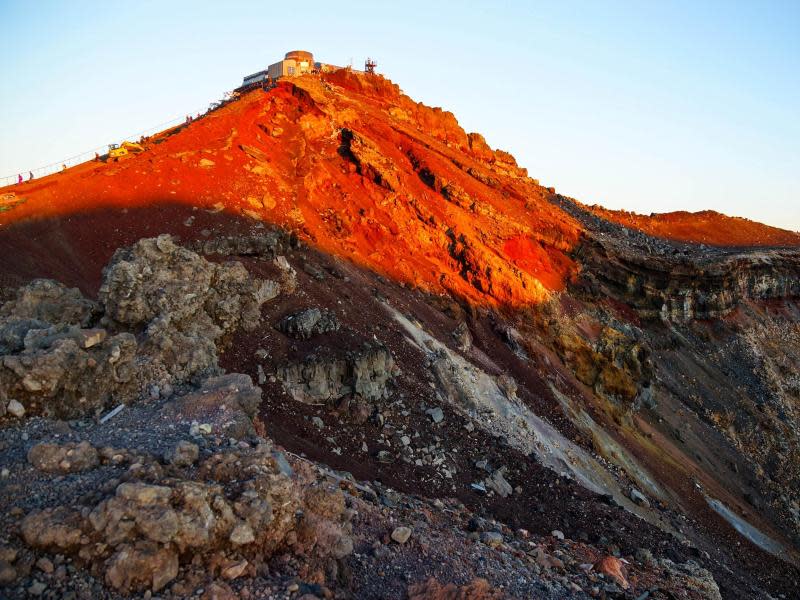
83, 157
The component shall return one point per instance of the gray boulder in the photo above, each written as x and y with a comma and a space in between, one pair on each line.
186, 304
366, 372
305, 324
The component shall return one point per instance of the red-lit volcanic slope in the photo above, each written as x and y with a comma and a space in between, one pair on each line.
630, 381
359, 170
703, 227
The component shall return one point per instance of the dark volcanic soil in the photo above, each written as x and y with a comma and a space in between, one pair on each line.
73, 250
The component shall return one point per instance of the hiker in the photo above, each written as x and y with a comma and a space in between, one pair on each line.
63, 168
30, 175
19, 179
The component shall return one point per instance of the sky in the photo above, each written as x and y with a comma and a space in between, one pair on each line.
646, 106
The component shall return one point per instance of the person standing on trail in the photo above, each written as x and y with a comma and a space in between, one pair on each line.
30, 175
19, 178
63, 168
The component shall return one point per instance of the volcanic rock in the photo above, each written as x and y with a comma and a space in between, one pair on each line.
478, 589
308, 323
612, 567
49, 301
183, 454
140, 532
226, 403
67, 458
185, 302
15, 408
366, 373
401, 534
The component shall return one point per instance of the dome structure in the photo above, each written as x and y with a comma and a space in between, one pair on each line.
299, 55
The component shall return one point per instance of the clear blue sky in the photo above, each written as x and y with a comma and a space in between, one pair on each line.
647, 106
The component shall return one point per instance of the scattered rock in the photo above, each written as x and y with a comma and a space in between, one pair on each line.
612, 567
478, 589
142, 565
242, 534
639, 498
8, 574
225, 404
559, 535
16, 409
401, 534
37, 588
463, 337
491, 538
183, 454
545, 560
436, 414
644, 556
498, 483
235, 570
219, 591
366, 373
67, 458
45, 565
308, 323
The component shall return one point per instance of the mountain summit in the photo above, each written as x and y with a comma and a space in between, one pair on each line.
380, 360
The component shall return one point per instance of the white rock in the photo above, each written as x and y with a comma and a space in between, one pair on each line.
401, 534
436, 414
242, 534
15, 408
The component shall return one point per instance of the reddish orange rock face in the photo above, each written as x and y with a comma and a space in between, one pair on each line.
360, 170
704, 227
357, 169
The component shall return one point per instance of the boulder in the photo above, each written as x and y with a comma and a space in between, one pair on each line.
141, 566
308, 323
401, 534
366, 372
185, 303
49, 301
58, 376
183, 454
612, 567
66, 458
244, 502
639, 498
227, 403
498, 483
